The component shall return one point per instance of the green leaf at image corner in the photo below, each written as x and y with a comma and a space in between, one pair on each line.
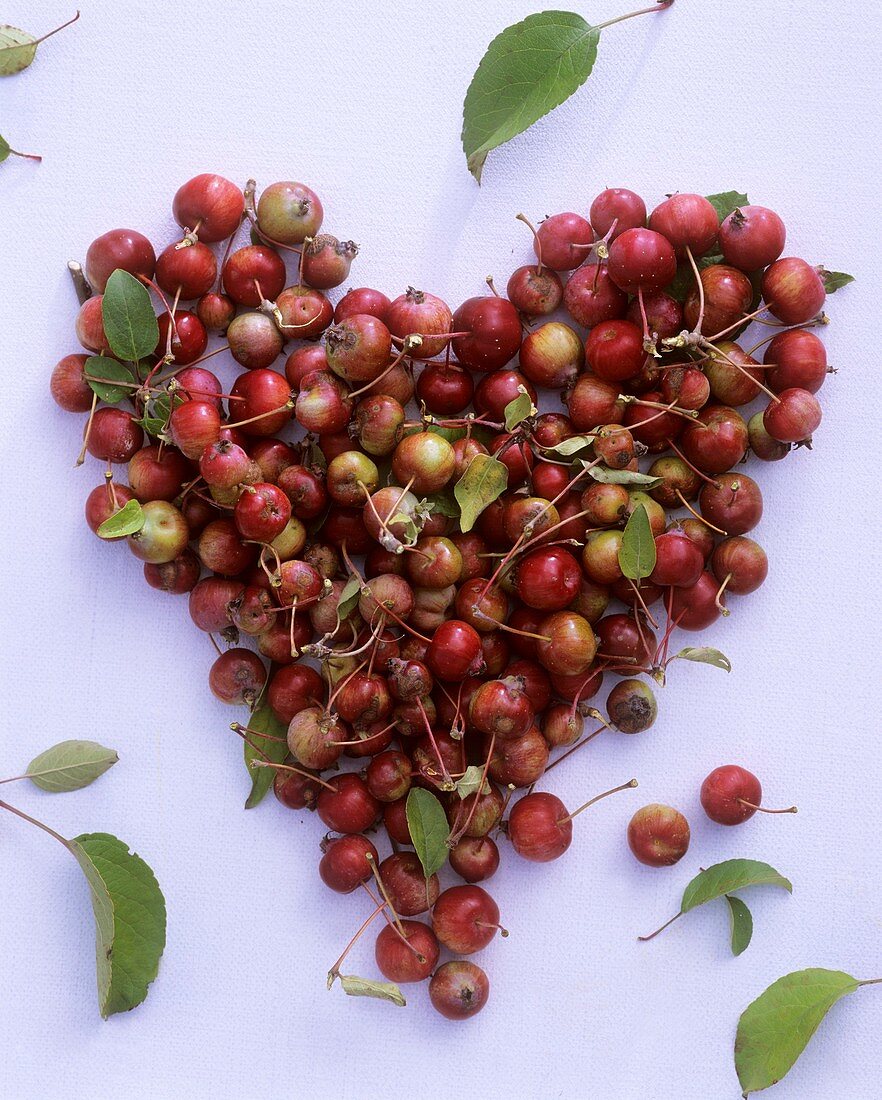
130, 919
129, 319
263, 721
775, 1028
429, 829
70, 765
529, 69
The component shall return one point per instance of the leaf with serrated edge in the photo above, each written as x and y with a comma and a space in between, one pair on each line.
484, 480
726, 878
621, 477
637, 552
835, 280
127, 521
129, 319
517, 410
70, 765
129, 919
740, 924
705, 655
529, 69
428, 828
727, 201
367, 987
775, 1028
102, 366
264, 721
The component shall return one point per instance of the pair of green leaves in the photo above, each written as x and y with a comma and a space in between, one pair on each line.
132, 332
528, 70
721, 881
127, 903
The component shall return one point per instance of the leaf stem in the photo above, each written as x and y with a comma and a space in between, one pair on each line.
667, 924
659, 6
871, 981
57, 29
39, 824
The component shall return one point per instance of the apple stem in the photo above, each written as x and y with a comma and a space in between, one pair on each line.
764, 810
667, 924
597, 798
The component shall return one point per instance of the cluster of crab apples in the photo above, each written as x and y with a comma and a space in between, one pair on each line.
419, 575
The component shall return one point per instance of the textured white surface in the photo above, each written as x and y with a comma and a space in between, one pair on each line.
780, 100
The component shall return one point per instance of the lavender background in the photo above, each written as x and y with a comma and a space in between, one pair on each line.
363, 102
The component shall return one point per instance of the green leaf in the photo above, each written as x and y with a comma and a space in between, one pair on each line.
471, 781
775, 1028
527, 71
366, 987
705, 655
428, 827
129, 919
129, 519
518, 410
5, 149
264, 721
17, 50
484, 480
740, 924
637, 552
574, 443
70, 765
621, 477
440, 504
102, 366
725, 878
129, 320
727, 201
349, 597
835, 280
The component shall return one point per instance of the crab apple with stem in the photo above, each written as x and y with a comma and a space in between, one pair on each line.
261, 512
763, 445
186, 272
501, 707
346, 863
406, 885
591, 297
304, 311
752, 237
465, 919
726, 294
314, 739
490, 333
209, 207
614, 350
658, 835
678, 560
303, 361
346, 805
445, 388
186, 338
562, 241
615, 210
157, 474
325, 260
237, 677
699, 605
475, 858
263, 402
409, 955
424, 460
89, 325
254, 340
194, 427
253, 274
687, 387
535, 291
163, 536
679, 480
198, 384
732, 502
741, 564
104, 501
716, 440
793, 416
498, 388
592, 402
540, 827
419, 313
358, 348
689, 222
363, 299
296, 788
124, 249
547, 578
735, 378
625, 642
731, 794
